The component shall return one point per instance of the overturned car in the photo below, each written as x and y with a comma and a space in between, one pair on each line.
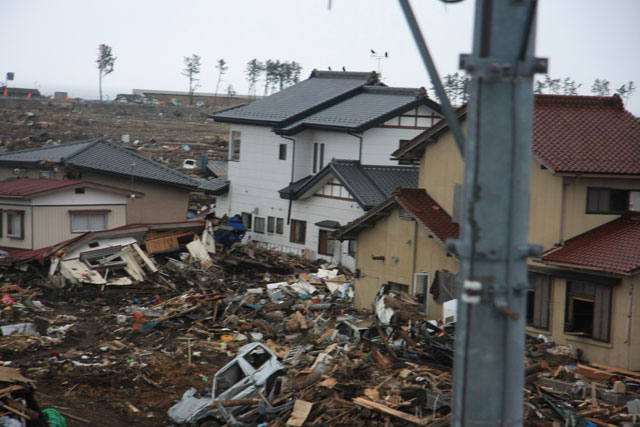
242, 392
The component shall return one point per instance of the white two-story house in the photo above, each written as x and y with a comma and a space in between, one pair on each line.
314, 156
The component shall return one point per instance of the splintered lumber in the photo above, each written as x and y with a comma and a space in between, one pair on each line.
369, 404
301, 409
593, 373
15, 411
617, 370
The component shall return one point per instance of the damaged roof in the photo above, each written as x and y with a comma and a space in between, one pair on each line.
322, 88
368, 184
216, 186
419, 204
101, 156
613, 247
372, 106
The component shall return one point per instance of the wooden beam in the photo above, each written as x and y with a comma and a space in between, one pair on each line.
366, 403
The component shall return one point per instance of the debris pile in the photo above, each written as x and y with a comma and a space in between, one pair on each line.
150, 324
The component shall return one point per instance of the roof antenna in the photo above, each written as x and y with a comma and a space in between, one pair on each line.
379, 57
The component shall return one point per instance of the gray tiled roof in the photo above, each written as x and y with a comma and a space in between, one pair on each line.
102, 156
372, 106
279, 109
216, 186
53, 153
369, 185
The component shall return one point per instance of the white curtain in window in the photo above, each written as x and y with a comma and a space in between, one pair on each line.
88, 222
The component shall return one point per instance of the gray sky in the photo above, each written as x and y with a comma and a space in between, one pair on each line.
55, 43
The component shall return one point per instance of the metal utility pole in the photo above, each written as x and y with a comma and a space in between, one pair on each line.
493, 249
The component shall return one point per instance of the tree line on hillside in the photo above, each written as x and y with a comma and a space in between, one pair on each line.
275, 74
456, 87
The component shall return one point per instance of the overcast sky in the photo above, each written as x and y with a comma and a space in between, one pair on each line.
53, 44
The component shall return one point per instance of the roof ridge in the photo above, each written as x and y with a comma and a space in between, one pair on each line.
27, 150
577, 100
417, 91
371, 75
82, 150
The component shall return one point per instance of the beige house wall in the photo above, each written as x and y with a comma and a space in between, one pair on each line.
431, 256
160, 203
441, 167
545, 206
407, 249
52, 224
27, 241
617, 352
393, 238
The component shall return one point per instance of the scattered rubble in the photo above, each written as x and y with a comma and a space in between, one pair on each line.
162, 324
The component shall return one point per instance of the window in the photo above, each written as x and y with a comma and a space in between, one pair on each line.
246, 220
538, 300
279, 225
607, 200
282, 154
15, 224
298, 231
82, 221
46, 174
79, 190
234, 147
318, 157
351, 248
326, 244
19, 171
588, 311
271, 224
259, 225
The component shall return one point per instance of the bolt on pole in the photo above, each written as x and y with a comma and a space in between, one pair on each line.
493, 249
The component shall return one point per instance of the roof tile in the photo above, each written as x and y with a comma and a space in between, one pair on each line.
428, 212
613, 247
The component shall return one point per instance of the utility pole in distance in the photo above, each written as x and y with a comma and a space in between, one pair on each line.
493, 249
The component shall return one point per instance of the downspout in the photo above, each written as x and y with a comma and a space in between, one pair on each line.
360, 147
627, 332
293, 164
415, 256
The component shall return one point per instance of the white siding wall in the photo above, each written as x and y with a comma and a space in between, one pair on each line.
257, 177
91, 196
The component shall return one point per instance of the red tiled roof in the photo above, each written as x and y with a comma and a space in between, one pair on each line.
27, 186
613, 247
586, 134
428, 212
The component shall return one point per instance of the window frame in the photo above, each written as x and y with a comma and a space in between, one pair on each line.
10, 233
609, 191
271, 224
104, 213
259, 224
601, 296
247, 220
295, 235
352, 248
235, 145
282, 152
539, 294
328, 243
279, 225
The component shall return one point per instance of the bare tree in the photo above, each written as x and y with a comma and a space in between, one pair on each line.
191, 70
222, 68
625, 91
253, 70
600, 87
105, 63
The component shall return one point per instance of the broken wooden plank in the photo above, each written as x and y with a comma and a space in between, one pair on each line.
613, 369
593, 373
366, 403
301, 409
